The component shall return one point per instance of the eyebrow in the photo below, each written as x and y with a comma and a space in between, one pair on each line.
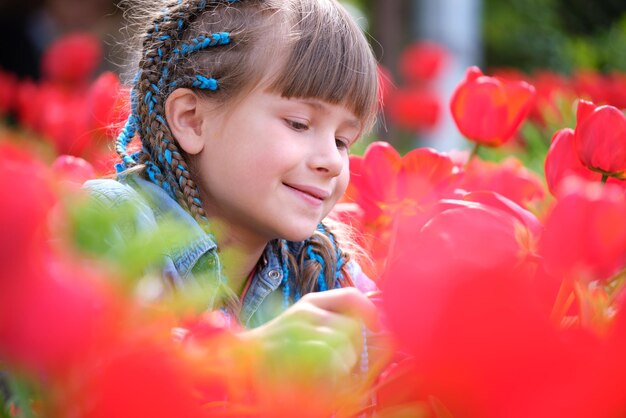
320, 106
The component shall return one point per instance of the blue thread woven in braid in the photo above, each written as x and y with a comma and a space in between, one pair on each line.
124, 138
128, 133
153, 173
321, 281
285, 267
205, 83
203, 42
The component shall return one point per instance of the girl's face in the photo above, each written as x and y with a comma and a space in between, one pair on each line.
273, 167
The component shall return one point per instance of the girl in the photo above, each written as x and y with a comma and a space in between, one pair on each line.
246, 111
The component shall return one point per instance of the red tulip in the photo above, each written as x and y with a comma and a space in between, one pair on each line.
72, 59
422, 61
382, 181
478, 337
386, 185
27, 104
600, 139
414, 109
562, 161
66, 121
73, 169
552, 90
509, 178
52, 315
591, 85
488, 110
585, 234
108, 106
617, 90
26, 196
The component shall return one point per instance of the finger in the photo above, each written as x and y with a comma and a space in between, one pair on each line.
310, 314
347, 301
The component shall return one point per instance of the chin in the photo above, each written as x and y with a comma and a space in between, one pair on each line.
297, 234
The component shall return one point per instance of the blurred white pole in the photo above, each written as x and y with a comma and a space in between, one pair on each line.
455, 24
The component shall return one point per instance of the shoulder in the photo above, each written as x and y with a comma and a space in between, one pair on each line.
111, 193
135, 212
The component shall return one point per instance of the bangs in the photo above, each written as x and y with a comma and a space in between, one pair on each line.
330, 60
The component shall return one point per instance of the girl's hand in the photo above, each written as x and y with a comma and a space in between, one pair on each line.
320, 336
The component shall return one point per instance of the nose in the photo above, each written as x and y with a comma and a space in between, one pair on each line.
325, 157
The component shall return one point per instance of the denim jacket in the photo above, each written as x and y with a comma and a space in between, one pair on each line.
183, 264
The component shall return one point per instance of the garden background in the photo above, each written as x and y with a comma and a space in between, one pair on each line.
490, 198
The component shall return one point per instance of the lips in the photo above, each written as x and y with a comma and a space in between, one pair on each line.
312, 191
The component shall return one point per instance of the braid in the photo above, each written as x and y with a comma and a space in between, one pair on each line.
321, 264
165, 163
341, 278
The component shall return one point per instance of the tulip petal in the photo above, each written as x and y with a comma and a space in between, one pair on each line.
381, 166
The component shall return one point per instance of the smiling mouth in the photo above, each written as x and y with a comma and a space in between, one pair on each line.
309, 192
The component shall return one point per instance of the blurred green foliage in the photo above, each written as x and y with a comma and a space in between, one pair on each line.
560, 35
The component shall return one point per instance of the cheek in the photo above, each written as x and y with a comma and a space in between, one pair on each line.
343, 180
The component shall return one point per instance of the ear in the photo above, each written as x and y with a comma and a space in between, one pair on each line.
184, 113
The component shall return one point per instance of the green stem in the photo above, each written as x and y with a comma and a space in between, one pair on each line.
473, 154
605, 177
616, 283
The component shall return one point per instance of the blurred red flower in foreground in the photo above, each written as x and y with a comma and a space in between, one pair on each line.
585, 233
488, 110
600, 138
458, 302
26, 198
48, 309
72, 59
463, 298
